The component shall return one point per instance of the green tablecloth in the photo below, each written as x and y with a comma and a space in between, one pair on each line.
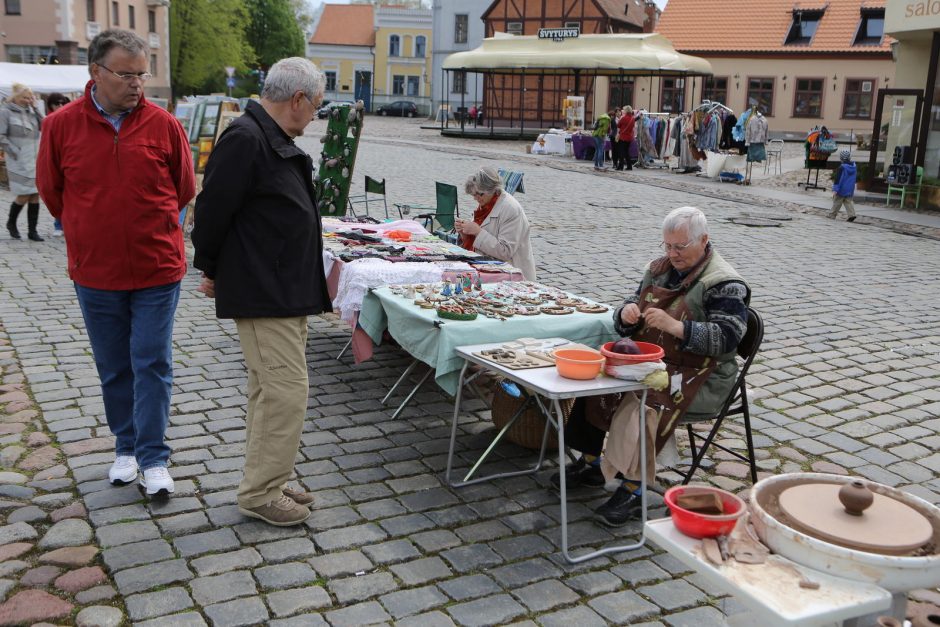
414, 329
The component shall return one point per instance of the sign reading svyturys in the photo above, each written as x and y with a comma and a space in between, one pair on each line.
558, 34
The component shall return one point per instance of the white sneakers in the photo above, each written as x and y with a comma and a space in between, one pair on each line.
157, 481
123, 470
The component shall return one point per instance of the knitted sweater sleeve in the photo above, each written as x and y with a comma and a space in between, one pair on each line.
725, 323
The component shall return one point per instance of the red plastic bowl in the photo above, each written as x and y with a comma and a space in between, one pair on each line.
648, 352
698, 525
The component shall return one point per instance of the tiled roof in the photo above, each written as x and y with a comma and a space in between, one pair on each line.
635, 14
345, 25
762, 25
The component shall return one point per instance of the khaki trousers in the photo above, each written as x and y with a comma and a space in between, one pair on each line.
274, 350
837, 203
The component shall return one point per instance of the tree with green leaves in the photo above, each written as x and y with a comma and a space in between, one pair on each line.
273, 31
206, 36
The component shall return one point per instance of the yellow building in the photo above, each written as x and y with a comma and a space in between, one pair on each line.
403, 56
342, 46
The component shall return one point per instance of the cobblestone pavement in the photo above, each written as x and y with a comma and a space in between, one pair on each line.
848, 381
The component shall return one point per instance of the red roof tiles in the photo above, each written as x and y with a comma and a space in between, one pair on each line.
345, 25
762, 26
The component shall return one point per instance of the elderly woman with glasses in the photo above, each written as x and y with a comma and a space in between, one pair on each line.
20, 124
499, 227
693, 304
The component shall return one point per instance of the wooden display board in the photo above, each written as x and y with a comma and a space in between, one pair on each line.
338, 158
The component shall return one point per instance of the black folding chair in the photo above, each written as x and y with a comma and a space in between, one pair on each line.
736, 403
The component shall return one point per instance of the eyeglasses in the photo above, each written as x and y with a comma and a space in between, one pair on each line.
675, 247
127, 77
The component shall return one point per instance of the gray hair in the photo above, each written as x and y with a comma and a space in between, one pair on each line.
690, 218
106, 41
290, 75
485, 181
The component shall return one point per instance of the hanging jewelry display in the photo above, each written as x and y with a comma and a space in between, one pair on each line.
338, 158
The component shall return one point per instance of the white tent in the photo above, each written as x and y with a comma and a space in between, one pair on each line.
43, 79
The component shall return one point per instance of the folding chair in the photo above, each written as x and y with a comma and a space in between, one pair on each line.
372, 188
909, 188
445, 213
736, 403
512, 181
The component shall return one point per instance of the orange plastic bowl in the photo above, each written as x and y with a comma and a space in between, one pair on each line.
578, 363
648, 352
698, 525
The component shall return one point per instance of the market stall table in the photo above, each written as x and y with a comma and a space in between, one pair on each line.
771, 590
431, 340
546, 383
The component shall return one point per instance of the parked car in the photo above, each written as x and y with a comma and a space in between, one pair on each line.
326, 109
399, 107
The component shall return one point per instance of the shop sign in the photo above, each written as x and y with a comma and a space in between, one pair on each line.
912, 15
561, 34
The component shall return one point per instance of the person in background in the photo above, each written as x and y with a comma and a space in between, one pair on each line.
473, 114
499, 227
612, 136
601, 127
843, 187
259, 242
627, 127
54, 102
116, 170
20, 124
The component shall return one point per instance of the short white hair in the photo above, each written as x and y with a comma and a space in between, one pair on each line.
690, 218
485, 181
290, 75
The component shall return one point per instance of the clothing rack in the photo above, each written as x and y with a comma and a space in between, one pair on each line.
654, 165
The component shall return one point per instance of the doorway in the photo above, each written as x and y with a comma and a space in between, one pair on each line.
363, 88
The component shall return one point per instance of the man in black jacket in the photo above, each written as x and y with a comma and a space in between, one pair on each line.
258, 242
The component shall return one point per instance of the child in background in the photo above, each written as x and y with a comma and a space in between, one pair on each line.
843, 187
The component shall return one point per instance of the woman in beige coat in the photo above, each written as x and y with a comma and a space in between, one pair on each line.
499, 227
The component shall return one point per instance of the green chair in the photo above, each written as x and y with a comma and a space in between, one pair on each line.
444, 214
909, 188
372, 188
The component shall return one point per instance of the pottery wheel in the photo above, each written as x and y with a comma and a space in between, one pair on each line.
888, 527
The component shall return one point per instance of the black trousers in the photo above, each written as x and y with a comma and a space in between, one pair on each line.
580, 434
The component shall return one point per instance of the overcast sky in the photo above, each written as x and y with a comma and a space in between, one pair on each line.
316, 3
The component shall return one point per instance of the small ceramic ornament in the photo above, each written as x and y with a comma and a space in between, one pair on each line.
410, 291
458, 288
447, 291
479, 283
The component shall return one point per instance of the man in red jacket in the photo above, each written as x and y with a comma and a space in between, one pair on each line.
116, 170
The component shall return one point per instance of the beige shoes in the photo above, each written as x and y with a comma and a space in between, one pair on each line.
281, 512
301, 498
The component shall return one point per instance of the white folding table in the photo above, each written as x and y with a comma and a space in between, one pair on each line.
546, 383
771, 591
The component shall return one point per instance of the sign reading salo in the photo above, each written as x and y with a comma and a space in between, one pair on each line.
559, 34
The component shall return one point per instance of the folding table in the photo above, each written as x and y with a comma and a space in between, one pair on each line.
771, 591
546, 383
431, 340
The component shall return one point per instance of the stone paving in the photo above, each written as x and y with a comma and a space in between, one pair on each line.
848, 381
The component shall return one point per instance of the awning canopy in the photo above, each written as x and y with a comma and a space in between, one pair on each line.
43, 79
611, 55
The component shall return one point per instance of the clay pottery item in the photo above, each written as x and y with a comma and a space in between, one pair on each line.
889, 621
923, 614
855, 497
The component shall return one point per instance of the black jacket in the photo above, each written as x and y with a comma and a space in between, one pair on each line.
257, 229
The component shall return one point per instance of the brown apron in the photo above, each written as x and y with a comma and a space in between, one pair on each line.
694, 369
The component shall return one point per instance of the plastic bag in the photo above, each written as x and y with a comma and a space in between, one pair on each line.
634, 372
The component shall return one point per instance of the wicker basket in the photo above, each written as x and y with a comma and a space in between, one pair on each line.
528, 429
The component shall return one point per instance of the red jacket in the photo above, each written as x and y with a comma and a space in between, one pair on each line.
118, 195
627, 127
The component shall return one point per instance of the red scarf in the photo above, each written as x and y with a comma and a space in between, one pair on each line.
480, 214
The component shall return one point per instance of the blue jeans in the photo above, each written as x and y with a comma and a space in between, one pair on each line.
57, 224
131, 333
599, 152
